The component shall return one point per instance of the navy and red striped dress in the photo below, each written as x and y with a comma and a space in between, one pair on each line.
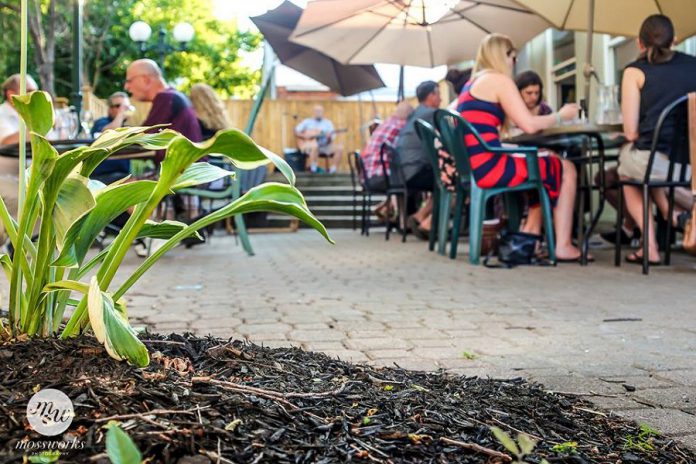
496, 169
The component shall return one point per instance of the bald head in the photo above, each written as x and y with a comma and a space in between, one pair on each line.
403, 110
11, 86
144, 80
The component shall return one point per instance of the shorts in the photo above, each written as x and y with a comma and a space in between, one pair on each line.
634, 162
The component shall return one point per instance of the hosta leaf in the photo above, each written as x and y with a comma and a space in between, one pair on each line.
6, 264
120, 447
110, 203
233, 144
67, 285
164, 230
111, 327
36, 110
200, 173
73, 202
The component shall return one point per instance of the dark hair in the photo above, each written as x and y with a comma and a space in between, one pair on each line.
424, 89
528, 79
657, 35
458, 78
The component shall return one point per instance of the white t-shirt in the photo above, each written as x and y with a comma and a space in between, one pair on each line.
9, 120
323, 125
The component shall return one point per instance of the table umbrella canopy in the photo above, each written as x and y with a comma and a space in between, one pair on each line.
424, 33
617, 17
277, 25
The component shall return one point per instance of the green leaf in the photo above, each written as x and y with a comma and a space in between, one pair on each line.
111, 327
110, 203
120, 447
67, 285
526, 443
233, 144
200, 173
73, 202
36, 110
6, 264
45, 457
164, 230
506, 441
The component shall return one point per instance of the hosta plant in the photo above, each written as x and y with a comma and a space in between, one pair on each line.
52, 274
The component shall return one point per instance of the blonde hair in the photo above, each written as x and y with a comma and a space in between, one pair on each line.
492, 54
209, 108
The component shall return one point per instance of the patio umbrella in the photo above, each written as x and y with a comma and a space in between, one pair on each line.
411, 32
617, 17
277, 25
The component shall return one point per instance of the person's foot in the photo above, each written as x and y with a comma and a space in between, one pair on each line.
625, 238
637, 258
570, 254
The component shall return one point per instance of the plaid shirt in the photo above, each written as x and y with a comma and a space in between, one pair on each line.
388, 131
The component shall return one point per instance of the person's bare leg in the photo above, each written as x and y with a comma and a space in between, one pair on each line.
611, 178
424, 211
532, 225
634, 206
313, 152
563, 213
337, 156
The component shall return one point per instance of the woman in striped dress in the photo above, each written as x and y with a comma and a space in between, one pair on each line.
488, 101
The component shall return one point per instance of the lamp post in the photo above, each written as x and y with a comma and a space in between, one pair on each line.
76, 95
140, 32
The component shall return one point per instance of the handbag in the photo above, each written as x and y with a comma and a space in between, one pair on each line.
516, 248
690, 228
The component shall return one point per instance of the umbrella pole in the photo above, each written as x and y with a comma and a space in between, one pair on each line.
589, 69
400, 94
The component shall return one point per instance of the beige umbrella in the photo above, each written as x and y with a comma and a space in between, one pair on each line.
617, 17
410, 32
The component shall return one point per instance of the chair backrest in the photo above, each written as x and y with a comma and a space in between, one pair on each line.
453, 130
674, 118
429, 137
395, 173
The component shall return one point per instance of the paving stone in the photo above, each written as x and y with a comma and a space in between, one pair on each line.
666, 421
388, 354
684, 377
683, 398
347, 355
370, 344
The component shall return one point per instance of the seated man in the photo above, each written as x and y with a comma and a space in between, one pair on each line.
112, 170
315, 137
9, 118
388, 131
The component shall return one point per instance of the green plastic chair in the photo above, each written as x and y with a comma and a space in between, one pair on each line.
442, 197
453, 128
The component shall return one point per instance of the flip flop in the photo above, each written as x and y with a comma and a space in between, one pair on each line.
633, 258
590, 259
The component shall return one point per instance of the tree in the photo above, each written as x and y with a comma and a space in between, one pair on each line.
212, 57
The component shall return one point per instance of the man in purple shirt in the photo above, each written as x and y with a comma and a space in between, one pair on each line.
144, 82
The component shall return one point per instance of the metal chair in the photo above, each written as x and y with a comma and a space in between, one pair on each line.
675, 113
453, 129
357, 184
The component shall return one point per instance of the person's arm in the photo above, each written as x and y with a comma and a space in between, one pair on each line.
515, 108
330, 131
118, 120
631, 83
300, 128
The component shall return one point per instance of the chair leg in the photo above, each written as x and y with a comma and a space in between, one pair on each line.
548, 223
512, 205
389, 224
367, 200
668, 238
435, 218
402, 220
619, 225
456, 223
646, 238
355, 210
443, 222
476, 214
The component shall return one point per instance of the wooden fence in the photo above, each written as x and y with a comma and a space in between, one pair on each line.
275, 125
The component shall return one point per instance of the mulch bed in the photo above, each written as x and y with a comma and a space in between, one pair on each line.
207, 400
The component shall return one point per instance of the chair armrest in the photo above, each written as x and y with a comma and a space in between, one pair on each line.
508, 150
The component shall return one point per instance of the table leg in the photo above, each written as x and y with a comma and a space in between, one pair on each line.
585, 157
594, 218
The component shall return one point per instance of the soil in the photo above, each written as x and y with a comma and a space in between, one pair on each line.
205, 400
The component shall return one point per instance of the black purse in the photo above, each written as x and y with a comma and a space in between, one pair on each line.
515, 249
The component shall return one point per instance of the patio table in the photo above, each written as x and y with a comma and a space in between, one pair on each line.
132, 152
589, 138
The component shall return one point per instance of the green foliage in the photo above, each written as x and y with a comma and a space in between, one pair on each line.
643, 441
70, 213
470, 355
213, 56
120, 447
568, 447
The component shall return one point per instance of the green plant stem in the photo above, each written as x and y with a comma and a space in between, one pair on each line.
24, 27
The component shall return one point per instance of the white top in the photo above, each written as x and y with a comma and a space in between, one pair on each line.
323, 125
9, 120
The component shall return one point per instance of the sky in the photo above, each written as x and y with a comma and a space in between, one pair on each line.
241, 10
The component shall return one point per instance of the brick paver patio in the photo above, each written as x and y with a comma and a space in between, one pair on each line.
626, 341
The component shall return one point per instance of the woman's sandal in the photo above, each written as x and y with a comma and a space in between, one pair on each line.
633, 258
